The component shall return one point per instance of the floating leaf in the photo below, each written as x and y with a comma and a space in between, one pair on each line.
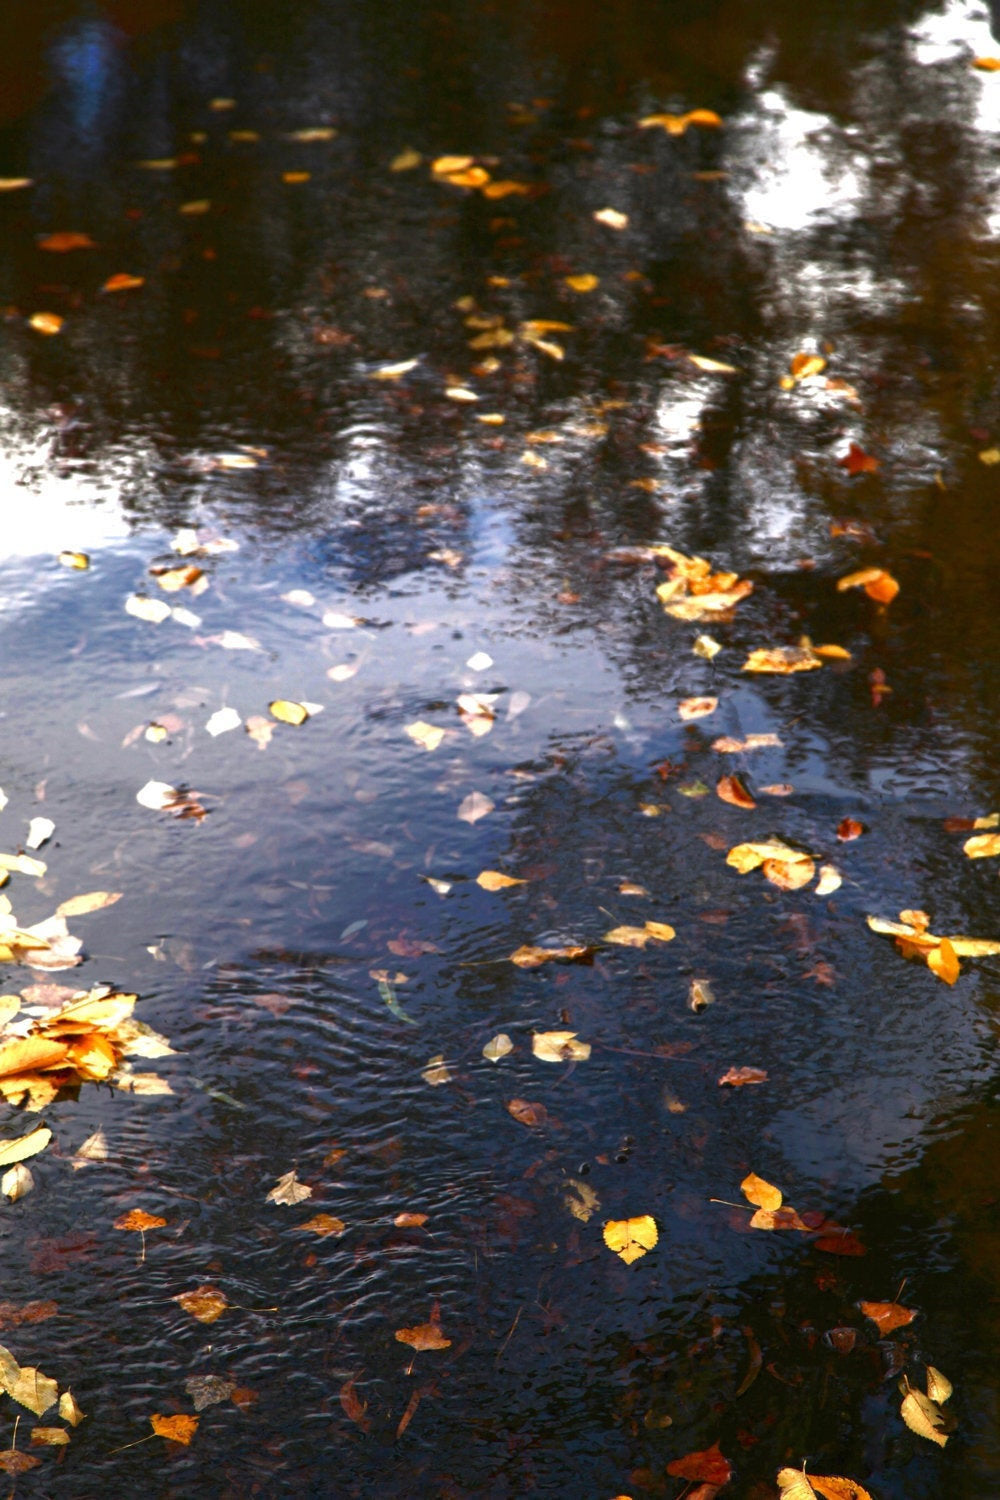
474, 806
179, 1429
943, 961
154, 611
17, 1182
778, 1218
64, 240
45, 322
887, 1315
559, 1046
678, 124
982, 846
612, 217
697, 708
793, 1485
138, 1219
78, 906
760, 1193
427, 735
712, 366
581, 1200
436, 1072
830, 880
287, 711
121, 281
705, 647
36, 1140
494, 880
631, 1238
208, 1390
924, 1417
288, 1189
939, 1387
782, 660
93, 1149
68, 1409
79, 560
738, 1077
876, 582
731, 789
499, 1047
206, 1303
527, 1113
835, 1487
13, 1461
27, 1385
40, 830
323, 1224
423, 1336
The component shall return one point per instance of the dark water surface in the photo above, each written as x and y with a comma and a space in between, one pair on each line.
848, 205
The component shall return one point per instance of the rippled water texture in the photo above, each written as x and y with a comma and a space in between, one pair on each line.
427, 436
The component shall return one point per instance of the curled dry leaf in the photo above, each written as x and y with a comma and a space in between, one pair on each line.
179, 1429
559, 1046
289, 1190
835, 1487
423, 1336
888, 1315
499, 1047
206, 1303
631, 1238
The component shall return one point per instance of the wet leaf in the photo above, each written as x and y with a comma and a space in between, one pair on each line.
26, 1145
324, 1224
876, 582
943, 961
49, 1437
830, 880
700, 995
709, 1466
68, 1409
850, 828
13, 184
857, 461
154, 611
78, 906
678, 124
410, 1221
206, 1303
423, 1336
139, 1219
93, 1149
78, 560
529, 957
782, 660
121, 281
712, 366
289, 1190
436, 1072
179, 1429
527, 1113
354, 1407
581, 1200
631, 1238
287, 711
27, 1385
760, 1193
427, 735
834, 1487
738, 1077
804, 365
747, 857
17, 1182
705, 647
45, 322
207, 1390
612, 217
778, 1218
500, 1046
494, 880
939, 1387
793, 1485
585, 282
697, 708
559, 1046
474, 806
982, 846
887, 1315
13, 1461
924, 1417
727, 746
732, 789
64, 240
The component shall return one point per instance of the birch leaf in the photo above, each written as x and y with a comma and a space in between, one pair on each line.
924, 1417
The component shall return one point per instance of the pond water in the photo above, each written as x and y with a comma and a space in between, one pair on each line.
427, 431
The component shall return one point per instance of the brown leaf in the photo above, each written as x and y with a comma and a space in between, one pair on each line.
324, 1224
857, 461
850, 828
353, 1405
49, 1437
709, 1465
529, 957
423, 1336
888, 1315
208, 1390
289, 1190
527, 1113
13, 1461
206, 1303
737, 1077
179, 1429
732, 789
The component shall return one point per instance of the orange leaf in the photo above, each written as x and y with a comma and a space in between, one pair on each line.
849, 828
13, 1461
737, 1077
179, 1429
527, 1113
731, 789
888, 1315
697, 708
410, 1221
804, 365
710, 1466
833, 1487
324, 1224
857, 461
29, 1053
138, 1218
66, 239
528, 957
206, 1303
943, 961
46, 322
353, 1405
121, 281
760, 1193
423, 1336
788, 875
778, 1218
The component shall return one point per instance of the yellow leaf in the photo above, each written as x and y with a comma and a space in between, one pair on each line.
52, 1437
782, 659
788, 875
498, 1047
195, 208
778, 1218
793, 1485
830, 880
173, 579
982, 846
705, 647
506, 189
712, 366
28, 1054
445, 166
45, 322
697, 708
760, 1193
396, 371
585, 282
746, 857
987, 64
78, 560
310, 133
661, 931
939, 1387
876, 582
68, 1409
22, 864
66, 239
423, 1336
612, 218
179, 1429
427, 735
631, 1238
559, 1046
96, 1010
295, 177
12, 184
581, 1200
78, 906
804, 365
924, 1417
436, 1072
494, 880
288, 711
206, 1303
628, 937
138, 1219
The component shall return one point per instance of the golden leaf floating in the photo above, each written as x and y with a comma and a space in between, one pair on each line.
612, 217
585, 282
732, 789
206, 1303
68, 1409
427, 735
692, 591
494, 880
697, 708
740, 1077
49, 1437
783, 866
500, 1046
12, 1461
638, 937
782, 660
323, 1224
760, 1193
678, 124
922, 1413
876, 582
26, 1385
26, 1145
78, 906
121, 281
424, 1336
287, 711
631, 1238
559, 1046
139, 1219
179, 1429
46, 322
835, 1487
887, 1315
64, 240
982, 846
915, 941
529, 957
78, 560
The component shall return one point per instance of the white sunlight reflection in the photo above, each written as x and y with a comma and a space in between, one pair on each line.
43, 512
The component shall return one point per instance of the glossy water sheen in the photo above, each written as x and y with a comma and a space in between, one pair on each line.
851, 203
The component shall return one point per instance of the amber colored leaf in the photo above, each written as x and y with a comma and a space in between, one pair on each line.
324, 1224
924, 1417
943, 961
782, 660
66, 239
179, 1429
737, 1077
29, 1053
760, 1193
710, 1466
788, 875
987, 64
68, 1409
834, 1487
288, 711
172, 580
529, 957
697, 708
857, 461
804, 365
876, 582
206, 1303
837, 1241
631, 1238
494, 880
527, 1113
423, 1336
778, 1218
48, 323
409, 1221
121, 281
888, 1315
138, 1218
982, 846
850, 828
794, 1485
939, 1387
78, 906
49, 1437
585, 282
24, 1146
13, 1461
559, 1046
731, 789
